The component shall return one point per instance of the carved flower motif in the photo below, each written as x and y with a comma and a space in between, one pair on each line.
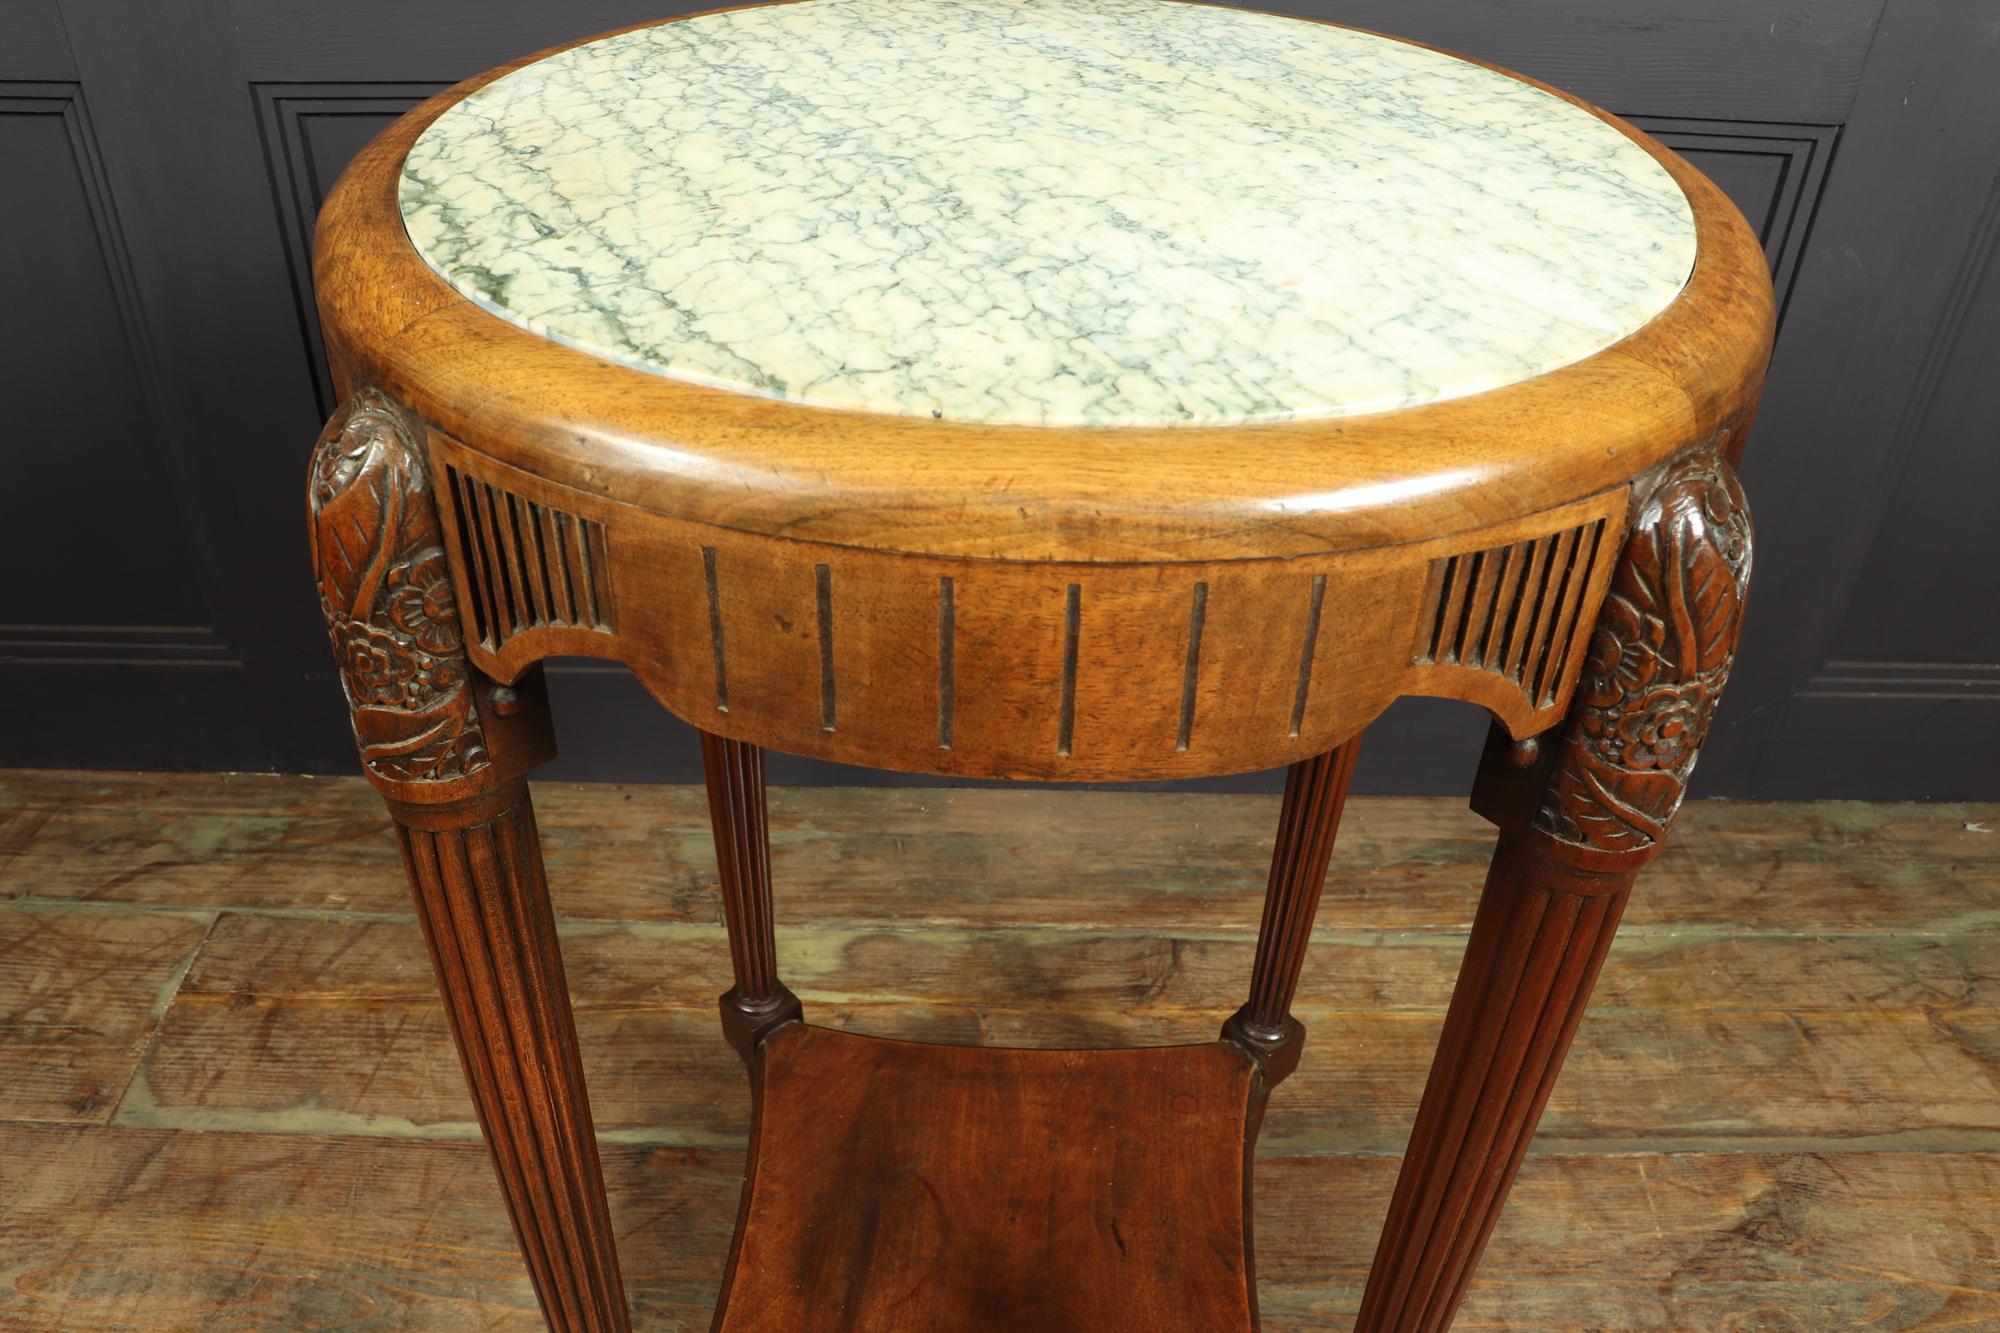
1727, 526
441, 676
1662, 728
1624, 653
378, 667
425, 608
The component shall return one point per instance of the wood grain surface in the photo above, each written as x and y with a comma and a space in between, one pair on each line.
906, 1187
1783, 1111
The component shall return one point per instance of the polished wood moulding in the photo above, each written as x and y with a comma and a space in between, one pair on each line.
901, 1187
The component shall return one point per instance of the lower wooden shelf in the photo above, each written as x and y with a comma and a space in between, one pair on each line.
901, 1186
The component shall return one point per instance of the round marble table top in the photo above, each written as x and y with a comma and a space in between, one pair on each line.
1047, 212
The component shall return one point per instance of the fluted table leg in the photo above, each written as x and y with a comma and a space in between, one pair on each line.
476, 872
1537, 943
448, 749
1308, 820
758, 1003
1578, 818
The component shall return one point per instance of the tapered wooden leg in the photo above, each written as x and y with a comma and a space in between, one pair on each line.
1315, 794
758, 1002
1578, 817
1537, 943
448, 749
476, 870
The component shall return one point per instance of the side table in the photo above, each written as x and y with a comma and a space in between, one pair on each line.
1052, 389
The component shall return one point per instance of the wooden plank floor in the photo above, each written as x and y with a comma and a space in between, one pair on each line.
228, 1098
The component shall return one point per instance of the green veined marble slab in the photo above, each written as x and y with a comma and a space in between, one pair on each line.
1061, 212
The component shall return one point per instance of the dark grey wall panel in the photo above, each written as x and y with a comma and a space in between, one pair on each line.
1735, 59
1890, 746
1907, 693
32, 42
91, 454
1725, 59
187, 171
1938, 526
172, 368
311, 131
1871, 470
101, 631
302, 40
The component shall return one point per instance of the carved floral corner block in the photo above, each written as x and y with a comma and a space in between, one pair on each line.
386, 593
1662, 649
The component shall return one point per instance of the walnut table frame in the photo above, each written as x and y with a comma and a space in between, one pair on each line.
1570, 552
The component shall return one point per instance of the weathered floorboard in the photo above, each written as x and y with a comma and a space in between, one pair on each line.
1782, 1113
1679, 1243
1176, 861
273, 1017
80, 992
120, 1230
290, 1232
